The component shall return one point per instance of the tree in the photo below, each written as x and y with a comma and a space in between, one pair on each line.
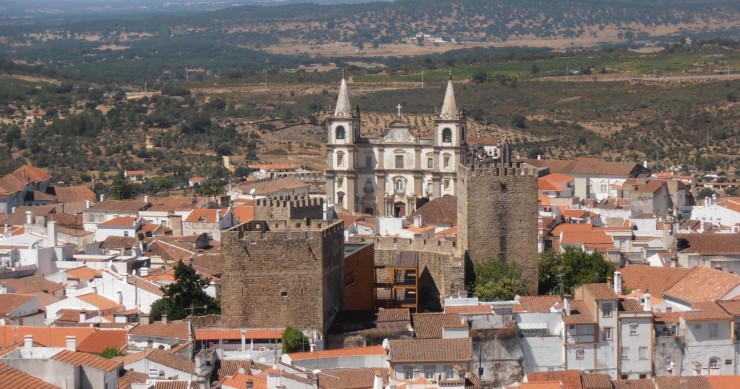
574, 267
294, 340
480, 77
111, 352
534, 69
705, 192
188, 291
499, 280
120, 188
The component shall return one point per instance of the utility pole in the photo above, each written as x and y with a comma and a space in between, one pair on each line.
422, 77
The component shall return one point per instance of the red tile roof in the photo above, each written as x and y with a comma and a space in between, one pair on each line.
337, 353
83, 273
588, 166
652, 279
164, 358
440, 211
235, 334
703, 284
724, 381
579, 314
634, 384
572, 227
587, 237
430, 325
470, 309
176, 384
66, 194
42, 335
243, 213
204, 215
540, 304
600, 291
730, 306
706, 311
12, 378
122, 206
78, 359
101, 302
571, 379
682, 382
121, 221
596, 381
16, 180
431, 350
12, 301
101, 340
357, 378
32, 284
710, 244
393, 314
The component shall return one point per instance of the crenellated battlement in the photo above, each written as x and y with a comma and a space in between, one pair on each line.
288, 207
499, 171
385, 243
289, 201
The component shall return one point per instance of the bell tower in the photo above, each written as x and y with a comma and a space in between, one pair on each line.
341, 149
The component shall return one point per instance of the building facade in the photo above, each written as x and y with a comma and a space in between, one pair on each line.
386, 176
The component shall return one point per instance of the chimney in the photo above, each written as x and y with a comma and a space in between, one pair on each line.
146, 198
52, 237
29, 217
87, 204
417, 221
28, 341
83, 315
378, 382
164, 318
6, 231
648, 304
617, 282
144, 271
244, 339
218, 215
71, 343
102, 197
144, 319
566, 304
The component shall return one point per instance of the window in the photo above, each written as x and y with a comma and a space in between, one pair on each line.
430, 163
430, 187
447, 135
284, 294
340, 198
713, 363
449, 373
606, 310
669, 309
580, 353
633, 328
125, 233
625, 354
408, 372
399, 161
369, 186
447, 183
728, 361
399, 186
340, 181
340, 158
643, 376
368, 161
429, 372
643, 353
607, 333
713, 330
603, 188
446, 160
697, 326
340, 132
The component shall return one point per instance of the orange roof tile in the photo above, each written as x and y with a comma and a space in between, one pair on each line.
83, 273
30, 284
135, 172
12, 301
238, 380
101, 340
724, 381
652, 279
431, 350
430, 325
66, 194
470, 309
204, 215
538, 385
600, 291
337, 353
45, 336
173, 329
579, 314
233, 334
590, 237
572, 227
539, 304
571, 379
121, 221
706, 311
682, 382
101, 302
710, 244
703, 284
12, 378
393, 314
243, 213
596, 381
546, 185
588, 166
78, 358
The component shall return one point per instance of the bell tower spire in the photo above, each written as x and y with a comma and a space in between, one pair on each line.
449, 107
343, 108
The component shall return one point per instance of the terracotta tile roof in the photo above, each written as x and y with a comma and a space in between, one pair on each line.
710, 244
119, 242
164, 358
579, 314
73, 315
169, 251
83, 273
45, 299
572, 227
238, 380
11, 301
393, 314
682, 382
634, 384
121, 221
101, 340
207, 265
600, 291
133, 357
630, 305
66, 194
430, 325
547, 185
724, 381
131, 377
558, 178
174, 203
16, 180
357, 378
666, 317
538, 385
12, 378
42, 335
596, 381
431, 350
470, 309
440, 211
336, 353
149, 229
586, 237
730, 306
243, 213
706, 311
731, 203
267, 187
176, 384
541, 304
19, 216
229, 367
78, 358
101, 302
173, 329
571, 379
204, 215
652, 279
588, 166
703, 284
123, 206
235, 334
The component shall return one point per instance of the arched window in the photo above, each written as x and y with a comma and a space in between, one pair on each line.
340, 198
446, 160
340, 132
714, 363
399, 185
447, 135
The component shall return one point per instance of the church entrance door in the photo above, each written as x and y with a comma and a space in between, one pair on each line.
399, 209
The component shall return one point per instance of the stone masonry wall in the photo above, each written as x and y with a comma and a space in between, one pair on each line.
497, 216
288, 208
289, 276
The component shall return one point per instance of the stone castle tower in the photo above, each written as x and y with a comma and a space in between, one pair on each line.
497, 212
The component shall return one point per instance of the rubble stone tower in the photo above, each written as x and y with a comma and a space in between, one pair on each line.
497, 213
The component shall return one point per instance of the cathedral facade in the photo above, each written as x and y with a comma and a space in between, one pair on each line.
387, 176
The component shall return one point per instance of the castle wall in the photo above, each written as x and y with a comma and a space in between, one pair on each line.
497, 216
287, 208
291, 275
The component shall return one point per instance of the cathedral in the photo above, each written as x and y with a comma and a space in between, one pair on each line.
389, 175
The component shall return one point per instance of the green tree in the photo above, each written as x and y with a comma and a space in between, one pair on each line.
534, 69
480, 77
704, 193
499, 280
575, 267
111, 352
120, 188
294, 341
188, 291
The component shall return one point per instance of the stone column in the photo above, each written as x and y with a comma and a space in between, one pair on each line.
329, 186
351, 195
380, 194
418, 184
381, 158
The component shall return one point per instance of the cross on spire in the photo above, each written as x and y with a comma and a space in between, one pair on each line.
343, 74
450, 74
399, 110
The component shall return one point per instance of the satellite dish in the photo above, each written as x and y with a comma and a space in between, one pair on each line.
261, 360
385, 343
251, 192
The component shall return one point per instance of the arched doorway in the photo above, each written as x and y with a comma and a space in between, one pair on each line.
399, 209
